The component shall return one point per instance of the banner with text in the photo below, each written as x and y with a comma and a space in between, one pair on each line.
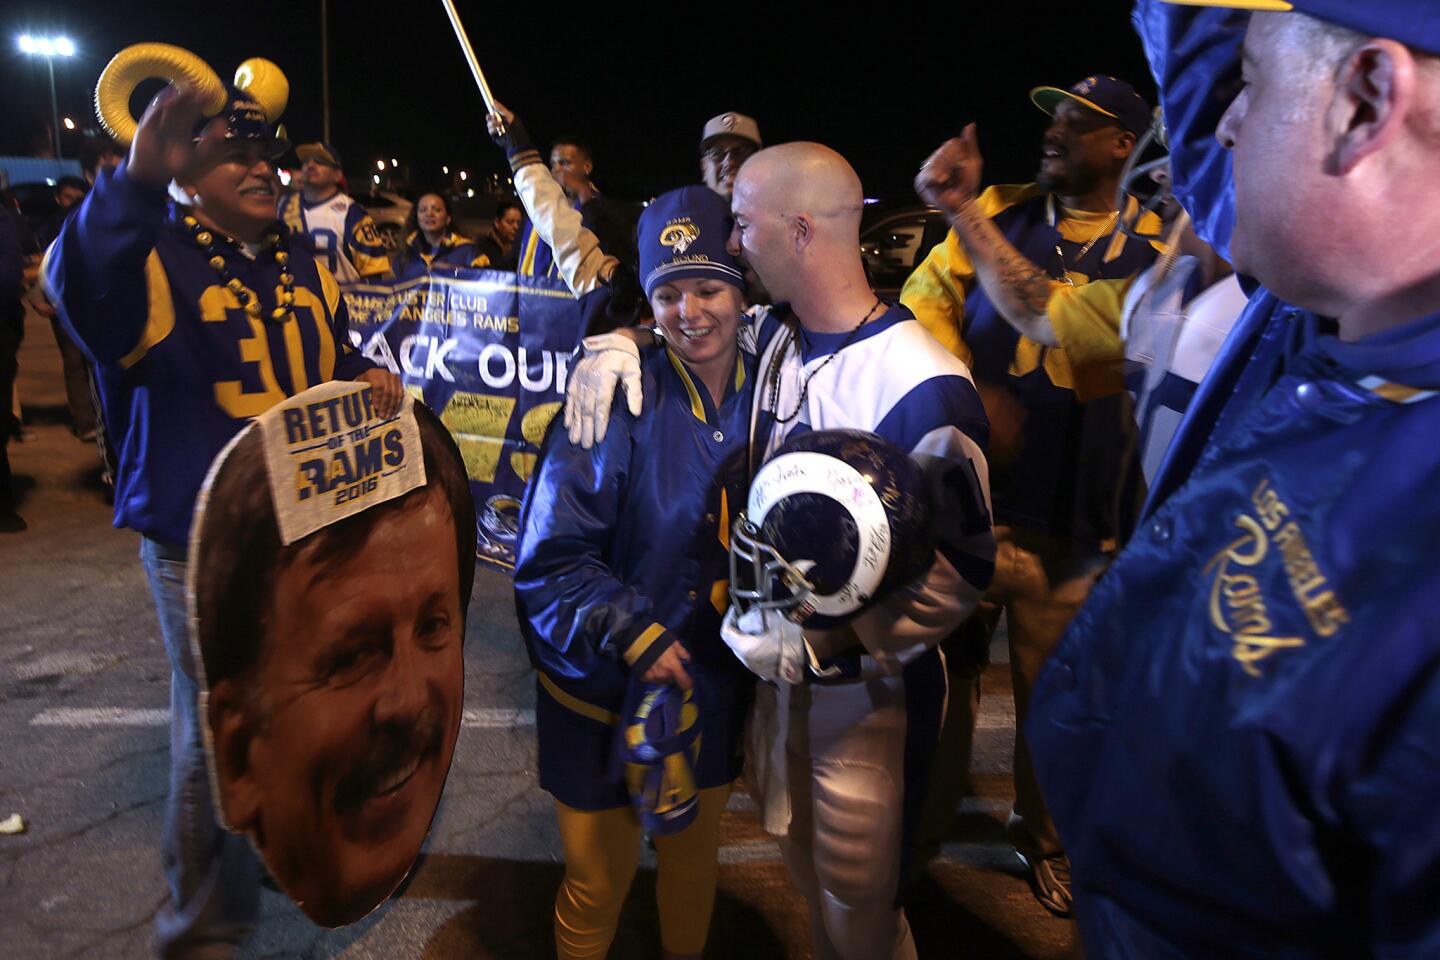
488, 352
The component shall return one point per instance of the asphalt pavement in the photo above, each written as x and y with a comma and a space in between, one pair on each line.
83, 760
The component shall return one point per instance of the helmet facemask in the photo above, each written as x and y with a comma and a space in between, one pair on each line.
757, 569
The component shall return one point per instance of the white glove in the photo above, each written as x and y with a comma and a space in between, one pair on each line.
769, 644
607, 360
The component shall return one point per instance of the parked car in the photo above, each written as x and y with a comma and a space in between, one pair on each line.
895, 238
389, 211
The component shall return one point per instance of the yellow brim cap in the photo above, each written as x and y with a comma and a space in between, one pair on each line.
1273, 6
1046, 98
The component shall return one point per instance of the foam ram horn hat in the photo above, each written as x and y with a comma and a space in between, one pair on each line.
254, 101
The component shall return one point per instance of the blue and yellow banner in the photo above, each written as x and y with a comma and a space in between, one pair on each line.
487, 351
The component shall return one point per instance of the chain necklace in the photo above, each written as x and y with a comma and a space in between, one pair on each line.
805, 384
1052, 217
1104, 231
205, 239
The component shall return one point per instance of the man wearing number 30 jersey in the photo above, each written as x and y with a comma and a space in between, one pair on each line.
199, 315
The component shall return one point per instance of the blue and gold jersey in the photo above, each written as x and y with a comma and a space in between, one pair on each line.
341, 232
181, 367
623, 551
1064, 478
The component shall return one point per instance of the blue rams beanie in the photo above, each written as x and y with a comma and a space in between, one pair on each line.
683, 234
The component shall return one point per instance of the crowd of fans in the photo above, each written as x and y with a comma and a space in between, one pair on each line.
1195, 493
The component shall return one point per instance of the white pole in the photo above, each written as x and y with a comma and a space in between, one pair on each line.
474, 64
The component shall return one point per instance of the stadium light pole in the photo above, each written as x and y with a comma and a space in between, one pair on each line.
325, 69
49, 48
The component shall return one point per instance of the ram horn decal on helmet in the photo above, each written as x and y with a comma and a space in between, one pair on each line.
834, 521
145, 61
265, 82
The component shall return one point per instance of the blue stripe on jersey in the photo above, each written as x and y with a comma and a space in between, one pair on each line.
942, 401
814, 344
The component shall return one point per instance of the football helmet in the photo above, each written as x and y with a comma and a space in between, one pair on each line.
835, 520
660, 748
1146, 179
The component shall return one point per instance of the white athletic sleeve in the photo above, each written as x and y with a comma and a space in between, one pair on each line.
575, 248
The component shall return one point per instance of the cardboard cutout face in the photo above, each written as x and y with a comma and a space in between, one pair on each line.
329, 579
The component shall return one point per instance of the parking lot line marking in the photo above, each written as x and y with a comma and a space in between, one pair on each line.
497, 718
483, 718
89, 718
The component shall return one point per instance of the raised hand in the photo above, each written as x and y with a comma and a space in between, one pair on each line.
950, 177
514, 136
165, 138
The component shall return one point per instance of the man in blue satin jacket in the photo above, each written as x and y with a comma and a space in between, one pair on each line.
1239, 736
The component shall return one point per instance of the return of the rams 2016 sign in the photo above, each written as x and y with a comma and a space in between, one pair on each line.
489, 352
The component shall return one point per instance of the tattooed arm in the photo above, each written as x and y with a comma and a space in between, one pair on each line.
950, 179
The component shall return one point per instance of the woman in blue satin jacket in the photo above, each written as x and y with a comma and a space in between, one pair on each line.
621, 571
430, 240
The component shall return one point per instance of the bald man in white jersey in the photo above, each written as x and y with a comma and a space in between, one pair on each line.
839, 764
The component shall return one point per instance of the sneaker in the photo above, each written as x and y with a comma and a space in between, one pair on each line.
1049, 872
12, 523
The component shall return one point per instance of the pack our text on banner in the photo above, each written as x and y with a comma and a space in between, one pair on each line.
487, 351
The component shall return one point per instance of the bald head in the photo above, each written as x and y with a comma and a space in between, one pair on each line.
797, 216
804, 178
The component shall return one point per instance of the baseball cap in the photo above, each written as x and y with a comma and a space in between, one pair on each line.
1103, 94
245, 119
683, 234
323, 152
1415, 23
731, 125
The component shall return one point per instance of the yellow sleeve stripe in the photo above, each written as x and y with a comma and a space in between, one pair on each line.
637, 649
574, 704
696, 406
527, 262
160, 319
329, 287
368, 266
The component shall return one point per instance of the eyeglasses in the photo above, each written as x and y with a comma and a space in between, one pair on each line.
738, 153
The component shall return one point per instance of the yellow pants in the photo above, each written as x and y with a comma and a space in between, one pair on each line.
602, 852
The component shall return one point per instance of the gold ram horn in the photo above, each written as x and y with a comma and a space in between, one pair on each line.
144, 61
265, 82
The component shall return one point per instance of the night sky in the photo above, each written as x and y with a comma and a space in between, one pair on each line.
883, 90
